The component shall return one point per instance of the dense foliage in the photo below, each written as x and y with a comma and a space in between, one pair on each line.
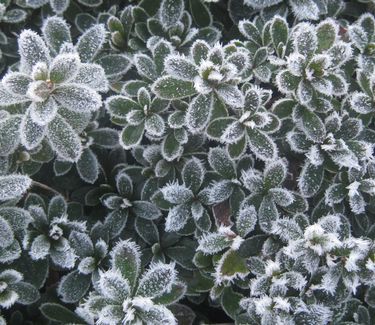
187, 161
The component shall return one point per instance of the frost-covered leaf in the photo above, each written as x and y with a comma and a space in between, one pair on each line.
91, 42
63, 139
12, 186
131, 136
157, 280
193, 174
31, 133
77, 97
64, 67
125, 257
198, 113
73, 286
88, 166
180, 67
212, 243
170, 88
56, 33
32, 50
261, 145
177, 194
246, 219
170, 12
220, 161
310, 180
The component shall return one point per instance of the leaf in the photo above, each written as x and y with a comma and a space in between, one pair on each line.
146, 210
168, 87
73, 286
177, 217
13, 186
91, 42
286, 82
77, 97
361, 103
230, 301
6, 233
115, 222
114, 65
147, 230
246, 219
327, 31
32, 50
119, 106
93, 76
31, 133
64, 67
180, 67
199, 51
16, 83
212, 243
200, 13
157, 280
231, 266
305, 39
310, 179
125, 257
231, 95
177, 194
59, 313
145, 66
267, 214
63, 139
274, 174
9, 134
311, 124
56, 32
170, 12
113, 285
44, 112
220, 161
198, 113
177, 292
131, 136
279, 31
193, 174
261, 145
88, 166
27, 293
171, 148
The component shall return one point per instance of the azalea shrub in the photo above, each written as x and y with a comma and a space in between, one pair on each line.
187, 162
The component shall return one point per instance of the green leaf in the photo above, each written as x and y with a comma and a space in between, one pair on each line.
171, 148
74, 286
91, 42
59, 313
170, 12
230, 301
63, 139
88, 166
221, 162
146, 210
326, 32
193, 174
311, 124
12, 186
114, 65
200, 13
310, 179
125, 257
198, 113
261, 145
131, 136
274, 174
279, 31
231, 266
178, 290
27, 293
170, 88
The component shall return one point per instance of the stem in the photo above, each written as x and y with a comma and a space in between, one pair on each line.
45, 187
